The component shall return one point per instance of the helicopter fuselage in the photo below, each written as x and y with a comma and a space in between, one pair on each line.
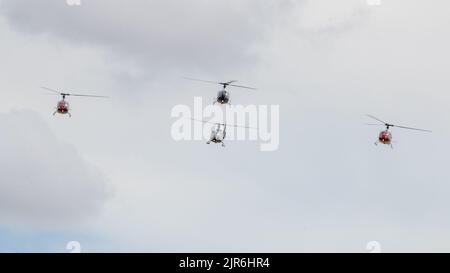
385, 137
62, 107
218, 134
223, 97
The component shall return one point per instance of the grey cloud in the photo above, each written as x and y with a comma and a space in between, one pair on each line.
328, 188
44, 181
200, 35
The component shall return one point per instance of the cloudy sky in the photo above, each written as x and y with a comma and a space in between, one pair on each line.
113, 178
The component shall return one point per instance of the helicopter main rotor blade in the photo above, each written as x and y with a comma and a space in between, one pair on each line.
73, 95
373, 124
192, 79
238, 126
215, 123
89, 96
203, 121
393, 125
377, 119
52, 90
410, 128
242, 86
230, 83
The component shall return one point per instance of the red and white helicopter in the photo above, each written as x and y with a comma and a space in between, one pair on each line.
63, 106
385, 137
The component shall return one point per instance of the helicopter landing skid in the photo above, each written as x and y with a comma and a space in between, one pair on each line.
56, 112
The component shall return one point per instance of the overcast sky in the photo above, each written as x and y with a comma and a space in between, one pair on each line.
112, 177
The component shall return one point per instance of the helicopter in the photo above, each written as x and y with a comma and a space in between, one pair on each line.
385, 137
219, 131
223, 96
63, 107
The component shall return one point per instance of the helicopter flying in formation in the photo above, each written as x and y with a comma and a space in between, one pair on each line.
385, 137
223, 96
63, 107
219, 131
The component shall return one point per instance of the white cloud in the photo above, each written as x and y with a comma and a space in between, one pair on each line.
44, 182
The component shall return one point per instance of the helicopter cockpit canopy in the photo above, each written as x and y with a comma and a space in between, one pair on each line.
222, 93
63, 104
217, 128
